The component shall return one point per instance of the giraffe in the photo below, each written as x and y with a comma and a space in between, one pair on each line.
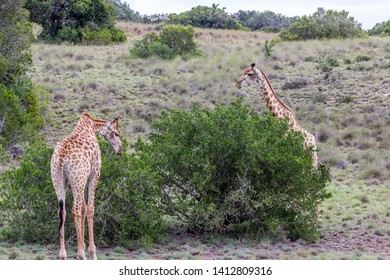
76, 161
277, 107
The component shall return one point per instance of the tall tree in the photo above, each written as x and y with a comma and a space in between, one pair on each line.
71, 19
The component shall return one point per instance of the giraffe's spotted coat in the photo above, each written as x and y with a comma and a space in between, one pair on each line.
77, 161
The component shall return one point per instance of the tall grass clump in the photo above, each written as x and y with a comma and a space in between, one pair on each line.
231, 170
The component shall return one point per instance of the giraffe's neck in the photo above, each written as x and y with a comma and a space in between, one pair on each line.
273, 102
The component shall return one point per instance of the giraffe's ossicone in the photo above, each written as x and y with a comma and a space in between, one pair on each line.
76, 161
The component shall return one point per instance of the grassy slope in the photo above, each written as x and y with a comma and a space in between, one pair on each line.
347, 109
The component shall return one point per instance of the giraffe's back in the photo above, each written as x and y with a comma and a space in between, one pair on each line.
75, 157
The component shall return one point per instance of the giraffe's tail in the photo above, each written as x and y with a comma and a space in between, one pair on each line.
61, 217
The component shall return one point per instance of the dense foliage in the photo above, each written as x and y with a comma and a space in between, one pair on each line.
22, 104
75, 20
323, 24
378, 29
206, 17
230, 169
171, 42
266, 21
15, 40
386, 31
125, 207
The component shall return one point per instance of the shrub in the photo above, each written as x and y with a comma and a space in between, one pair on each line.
268, 47
229, 169
98, 37
70, 34
118, 35
104, 36
295, 84
179, 38
327, 64
362, 57
173, 41
125, 207
22, 108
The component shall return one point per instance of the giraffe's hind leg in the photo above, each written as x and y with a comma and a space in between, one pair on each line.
59, 184
78, 211
92, 184
61, 228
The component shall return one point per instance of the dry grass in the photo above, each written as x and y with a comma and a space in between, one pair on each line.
346, 108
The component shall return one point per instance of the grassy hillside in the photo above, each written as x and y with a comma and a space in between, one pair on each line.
339, 90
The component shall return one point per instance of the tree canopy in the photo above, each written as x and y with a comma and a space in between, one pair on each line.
72, 20
267, 20
206, 17
323, 24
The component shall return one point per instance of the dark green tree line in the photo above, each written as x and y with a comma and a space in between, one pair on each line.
267, 20
206, 17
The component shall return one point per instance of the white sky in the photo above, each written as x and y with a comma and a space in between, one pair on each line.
366, 12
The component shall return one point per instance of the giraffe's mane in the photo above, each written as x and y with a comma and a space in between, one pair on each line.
92, 119
273, 91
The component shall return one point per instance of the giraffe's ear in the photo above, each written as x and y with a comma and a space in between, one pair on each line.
115, 123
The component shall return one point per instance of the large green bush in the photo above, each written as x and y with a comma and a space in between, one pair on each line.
323, 24
230, 169
126, 207
172, 41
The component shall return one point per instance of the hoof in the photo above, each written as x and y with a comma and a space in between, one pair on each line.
62, 255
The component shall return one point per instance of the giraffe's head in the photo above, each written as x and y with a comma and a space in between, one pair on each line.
249, 75
111, 133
